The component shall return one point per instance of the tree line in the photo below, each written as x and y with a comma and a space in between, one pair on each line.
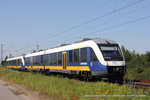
134, 59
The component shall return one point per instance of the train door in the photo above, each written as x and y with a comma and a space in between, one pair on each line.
64, 60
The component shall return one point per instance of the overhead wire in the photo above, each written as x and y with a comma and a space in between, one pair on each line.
111, 27
97, 18
90, 21
118, 17
119, 25
90, 11
98, 7
113, 19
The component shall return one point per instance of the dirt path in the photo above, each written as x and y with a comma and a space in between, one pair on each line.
20, 93
6, 94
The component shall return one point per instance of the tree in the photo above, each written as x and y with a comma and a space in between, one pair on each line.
4, 62
127, 54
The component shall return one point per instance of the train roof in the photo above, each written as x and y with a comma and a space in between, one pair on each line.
14, 58
97, 40
104, 41
86, 42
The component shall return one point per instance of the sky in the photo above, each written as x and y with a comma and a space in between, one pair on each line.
49, 23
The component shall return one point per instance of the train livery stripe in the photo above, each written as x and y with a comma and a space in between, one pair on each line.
28, 67
71, 68
38, 67
78, 68
34, 67
54, 67
13, 66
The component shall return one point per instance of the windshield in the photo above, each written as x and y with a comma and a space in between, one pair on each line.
111, 52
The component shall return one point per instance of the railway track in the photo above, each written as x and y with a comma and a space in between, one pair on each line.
138, 83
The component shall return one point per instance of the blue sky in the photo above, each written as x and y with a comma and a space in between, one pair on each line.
26, 23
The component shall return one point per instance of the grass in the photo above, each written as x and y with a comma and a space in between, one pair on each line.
69, 89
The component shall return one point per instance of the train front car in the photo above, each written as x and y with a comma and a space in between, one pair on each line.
111, 61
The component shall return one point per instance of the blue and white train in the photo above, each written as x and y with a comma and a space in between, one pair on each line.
89, 58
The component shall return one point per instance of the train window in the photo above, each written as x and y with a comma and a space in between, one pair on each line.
33, 60
10, 62
83, 53
55, 58
27, 61
18, 62
92, 55
59, 58
42, 59
37, 60
51, 59
47, 59
14, 62
70, 56
76, 55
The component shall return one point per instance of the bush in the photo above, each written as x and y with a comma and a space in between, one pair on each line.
139, 70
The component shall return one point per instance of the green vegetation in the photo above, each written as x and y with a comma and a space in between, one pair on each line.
69, 89
138, 65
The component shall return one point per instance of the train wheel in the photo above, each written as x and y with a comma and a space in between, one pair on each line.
47, 72
86, 76
118, 80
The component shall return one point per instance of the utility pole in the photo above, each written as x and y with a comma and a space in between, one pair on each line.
2, 52
37, 47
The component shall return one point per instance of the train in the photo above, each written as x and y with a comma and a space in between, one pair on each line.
88, 58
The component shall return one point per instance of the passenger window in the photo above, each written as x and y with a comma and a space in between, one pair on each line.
59, 58
14, 62
34, 60
47, 59
41, 59
55, 58
83, 54
70, 56
18, 62
76, 55
92, 55
37, 60
51, 59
